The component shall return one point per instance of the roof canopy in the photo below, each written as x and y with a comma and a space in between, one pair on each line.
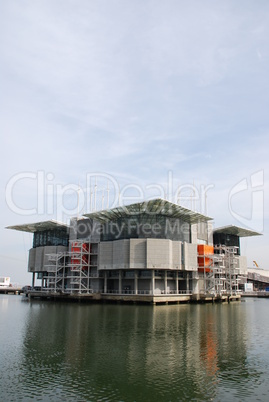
39, 226
152, 207
237, 231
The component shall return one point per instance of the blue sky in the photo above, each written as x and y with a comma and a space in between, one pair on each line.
133, 89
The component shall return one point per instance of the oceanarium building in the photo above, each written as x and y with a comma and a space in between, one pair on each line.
153, 251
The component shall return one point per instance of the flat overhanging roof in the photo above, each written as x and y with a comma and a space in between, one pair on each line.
152, 207
39, 226
237, 231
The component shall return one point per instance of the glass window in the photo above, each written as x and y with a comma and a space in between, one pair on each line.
56, 237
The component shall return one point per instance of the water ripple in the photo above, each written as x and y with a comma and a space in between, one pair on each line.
65, 352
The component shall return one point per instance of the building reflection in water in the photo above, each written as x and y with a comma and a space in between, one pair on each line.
133, 352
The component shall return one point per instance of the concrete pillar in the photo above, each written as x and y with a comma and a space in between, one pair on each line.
136, 282
165, 282
188, 283
120, 281
152, 281
195, 287
176, 282
33, 280
105, 282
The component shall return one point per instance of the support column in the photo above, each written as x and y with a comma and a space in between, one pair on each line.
176, 282
33, 280
120, 281
165, 282
188, 283
135, 282
152, 281
105, 282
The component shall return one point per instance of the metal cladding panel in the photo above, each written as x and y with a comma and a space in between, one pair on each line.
89, 229
194, 233
138, 253
159, 253
190, 254
121, 252
62, 249
176, 248
31, 260
39, 257
202, 231
73, 229
242, 264
106, 255
48, 250
210, 232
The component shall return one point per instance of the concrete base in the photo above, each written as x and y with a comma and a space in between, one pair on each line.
256, 294
123, 298
210, 298
64, 296
151, 299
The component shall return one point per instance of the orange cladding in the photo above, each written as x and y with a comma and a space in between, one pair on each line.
204, 253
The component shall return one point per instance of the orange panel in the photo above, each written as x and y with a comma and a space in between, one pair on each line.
204, 249
204, 261
207, 270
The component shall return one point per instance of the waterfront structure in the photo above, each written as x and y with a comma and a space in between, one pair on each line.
154, 250
4, 282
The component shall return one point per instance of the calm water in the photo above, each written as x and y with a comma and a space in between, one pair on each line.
72, 352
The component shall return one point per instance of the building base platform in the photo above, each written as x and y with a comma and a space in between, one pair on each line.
131, 298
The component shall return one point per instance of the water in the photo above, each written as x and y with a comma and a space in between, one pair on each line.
76, 352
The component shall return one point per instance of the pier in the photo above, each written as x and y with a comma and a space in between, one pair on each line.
11, 291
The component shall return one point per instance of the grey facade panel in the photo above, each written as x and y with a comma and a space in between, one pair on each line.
138, 253
121, 253
176, 249
194, 230
48, 250
88, 229
39, 257
106, 255
62, 249
210, 233
159, 253
202, 231
190, 257
31, 260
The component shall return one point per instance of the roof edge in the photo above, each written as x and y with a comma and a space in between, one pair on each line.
153, 206
38, 226
237, 230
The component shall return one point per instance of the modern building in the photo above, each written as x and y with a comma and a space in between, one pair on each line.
150, 251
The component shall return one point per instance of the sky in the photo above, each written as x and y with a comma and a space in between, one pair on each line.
142, 98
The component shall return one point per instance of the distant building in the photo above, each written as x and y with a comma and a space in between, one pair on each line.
4, 282
152, 248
